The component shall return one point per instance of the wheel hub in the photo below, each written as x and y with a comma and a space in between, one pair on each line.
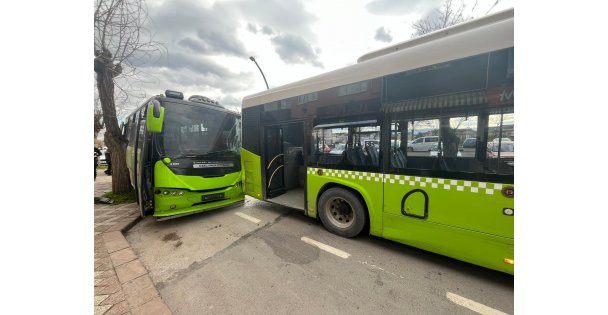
340, 212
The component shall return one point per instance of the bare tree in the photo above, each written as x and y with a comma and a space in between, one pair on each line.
447, 15
121, 41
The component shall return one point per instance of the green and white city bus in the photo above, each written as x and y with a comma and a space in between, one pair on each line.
183, 156
413, 143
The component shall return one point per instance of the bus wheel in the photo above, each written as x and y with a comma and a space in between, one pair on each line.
341, 212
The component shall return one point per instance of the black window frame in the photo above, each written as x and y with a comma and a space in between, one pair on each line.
314, 161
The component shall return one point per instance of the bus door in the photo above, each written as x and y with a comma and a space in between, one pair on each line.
274, 161
143, 174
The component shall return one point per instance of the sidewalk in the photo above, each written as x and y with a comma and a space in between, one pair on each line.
122, 283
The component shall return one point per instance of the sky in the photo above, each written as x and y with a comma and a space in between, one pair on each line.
208, 43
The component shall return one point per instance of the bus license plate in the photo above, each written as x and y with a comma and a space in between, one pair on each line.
213, 197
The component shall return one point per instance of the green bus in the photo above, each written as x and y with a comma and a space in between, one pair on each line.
413, 143
183, 155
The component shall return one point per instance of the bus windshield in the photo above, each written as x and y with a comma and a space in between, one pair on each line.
193, 131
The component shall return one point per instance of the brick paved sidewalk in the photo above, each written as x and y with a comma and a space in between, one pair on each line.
122, 283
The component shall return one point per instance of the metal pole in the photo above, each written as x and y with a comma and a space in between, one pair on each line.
263, 76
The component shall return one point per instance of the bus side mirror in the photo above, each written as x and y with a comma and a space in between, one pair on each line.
155, 116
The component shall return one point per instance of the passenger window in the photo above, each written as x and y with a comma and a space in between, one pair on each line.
414, 144
423, 137
460, 130
501, 143
458, 149
349, 147
398, 145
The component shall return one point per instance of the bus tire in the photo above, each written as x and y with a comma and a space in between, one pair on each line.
341, 212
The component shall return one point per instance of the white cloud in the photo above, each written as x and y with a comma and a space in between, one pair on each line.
209, 42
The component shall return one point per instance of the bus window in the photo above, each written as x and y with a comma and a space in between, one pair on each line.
398, 144
349, 147
464, 132
458, 146
501, 144
413, 143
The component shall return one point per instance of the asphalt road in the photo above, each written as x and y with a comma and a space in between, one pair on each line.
224, 262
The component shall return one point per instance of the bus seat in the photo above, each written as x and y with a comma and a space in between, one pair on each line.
363, 160
397, 158
372, 152
401, 157
353, 157
393, 157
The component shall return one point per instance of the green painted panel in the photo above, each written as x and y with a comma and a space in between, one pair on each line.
477, 248
185, 193
154, 124
465, 218
476, 206
252, 174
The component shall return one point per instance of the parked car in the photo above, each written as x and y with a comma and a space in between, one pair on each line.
338, 148
424, 144
102, 158
507, 149
468, 147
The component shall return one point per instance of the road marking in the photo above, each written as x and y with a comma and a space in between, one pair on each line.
325, 247
248, 217
472, 305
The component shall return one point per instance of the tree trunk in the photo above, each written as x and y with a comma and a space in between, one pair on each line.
449, 140
113, 138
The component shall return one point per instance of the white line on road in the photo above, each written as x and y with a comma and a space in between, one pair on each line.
326, 248
248, 217
472, 305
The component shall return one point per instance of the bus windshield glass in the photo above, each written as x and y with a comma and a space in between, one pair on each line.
192, 131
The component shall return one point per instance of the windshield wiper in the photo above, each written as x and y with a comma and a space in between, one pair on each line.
219, 152
191, 156
184, 156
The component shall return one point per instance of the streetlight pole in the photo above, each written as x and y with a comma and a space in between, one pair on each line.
263, 76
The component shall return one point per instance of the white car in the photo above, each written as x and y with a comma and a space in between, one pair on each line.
424, 144
102, 157
507, 149
338, 148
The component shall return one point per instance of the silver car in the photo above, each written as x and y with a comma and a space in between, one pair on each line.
424, 144
507, 149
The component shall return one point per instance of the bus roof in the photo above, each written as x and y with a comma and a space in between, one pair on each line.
489, 33
438, 34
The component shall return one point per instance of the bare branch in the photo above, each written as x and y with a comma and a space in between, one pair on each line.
121, 39
446, 15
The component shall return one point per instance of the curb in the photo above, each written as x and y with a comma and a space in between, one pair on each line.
139, 291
